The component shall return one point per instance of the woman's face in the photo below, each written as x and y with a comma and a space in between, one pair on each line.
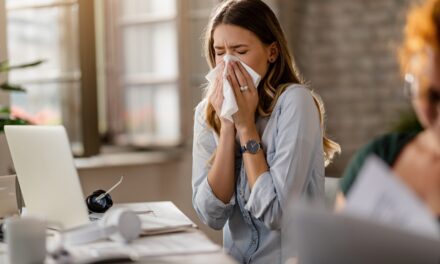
426, 101
244, 44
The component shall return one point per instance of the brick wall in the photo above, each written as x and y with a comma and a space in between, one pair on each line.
346, 49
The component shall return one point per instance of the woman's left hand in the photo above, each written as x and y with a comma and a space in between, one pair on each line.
246, 96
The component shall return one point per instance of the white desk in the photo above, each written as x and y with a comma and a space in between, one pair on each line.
211, 258
187, 246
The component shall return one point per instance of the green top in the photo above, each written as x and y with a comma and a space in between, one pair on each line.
387, 147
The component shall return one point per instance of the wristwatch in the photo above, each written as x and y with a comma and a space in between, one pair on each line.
251, 146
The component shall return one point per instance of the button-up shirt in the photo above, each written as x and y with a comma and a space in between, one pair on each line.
292, 141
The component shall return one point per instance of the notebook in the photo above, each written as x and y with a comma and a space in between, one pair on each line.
47, 175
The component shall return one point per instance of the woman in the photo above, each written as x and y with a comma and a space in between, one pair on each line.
244, 169
415, 156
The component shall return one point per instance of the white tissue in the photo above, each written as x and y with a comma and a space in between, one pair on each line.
229, 106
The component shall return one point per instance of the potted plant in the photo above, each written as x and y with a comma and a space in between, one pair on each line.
7, 116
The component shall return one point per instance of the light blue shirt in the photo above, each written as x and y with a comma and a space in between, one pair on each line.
292, 142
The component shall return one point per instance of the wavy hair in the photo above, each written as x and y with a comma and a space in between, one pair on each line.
281, 73
421, 36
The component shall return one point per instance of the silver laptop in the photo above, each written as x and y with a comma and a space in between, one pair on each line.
47, 175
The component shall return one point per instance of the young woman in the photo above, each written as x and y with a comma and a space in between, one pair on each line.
414, 156
274, 147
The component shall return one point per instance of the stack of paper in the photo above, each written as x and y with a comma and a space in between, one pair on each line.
157, 218
160, 217
380, 196
145, 247
383, 222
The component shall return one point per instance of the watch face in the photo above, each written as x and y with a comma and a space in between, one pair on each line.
252, 146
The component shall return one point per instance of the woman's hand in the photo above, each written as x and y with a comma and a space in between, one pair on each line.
246, 96
216, 93
216, 97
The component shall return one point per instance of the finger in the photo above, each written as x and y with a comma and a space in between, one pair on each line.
218, 83
249, 90
215, 98
218, 96
247, 77
236, 91
221, 69
231, 74
234, 83
240, 76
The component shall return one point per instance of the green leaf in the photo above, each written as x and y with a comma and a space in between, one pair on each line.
4, 65
12, 88
6, 121
5, 110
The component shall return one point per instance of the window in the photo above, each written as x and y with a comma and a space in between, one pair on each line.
51, 30
4, 100
144, 78
150, 67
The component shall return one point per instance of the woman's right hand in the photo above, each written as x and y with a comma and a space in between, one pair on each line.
216, 96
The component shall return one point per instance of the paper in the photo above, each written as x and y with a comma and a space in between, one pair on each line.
321, 236
160, 217
379, 195
229, 106
151, 246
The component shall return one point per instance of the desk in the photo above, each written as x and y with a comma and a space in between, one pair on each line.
187, 246
211, 258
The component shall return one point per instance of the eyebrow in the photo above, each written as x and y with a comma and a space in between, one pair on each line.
232, 46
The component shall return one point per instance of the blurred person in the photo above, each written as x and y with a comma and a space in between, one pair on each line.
413, 156
244, 169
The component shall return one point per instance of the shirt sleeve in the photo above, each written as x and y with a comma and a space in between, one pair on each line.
209, 208
298, 136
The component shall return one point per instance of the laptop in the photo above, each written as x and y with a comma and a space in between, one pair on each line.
320, 236
47, 175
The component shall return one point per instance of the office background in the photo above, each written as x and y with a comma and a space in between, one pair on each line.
132, 114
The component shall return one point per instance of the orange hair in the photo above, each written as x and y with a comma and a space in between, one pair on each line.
421, 36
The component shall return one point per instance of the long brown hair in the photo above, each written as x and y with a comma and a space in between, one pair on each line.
257, 17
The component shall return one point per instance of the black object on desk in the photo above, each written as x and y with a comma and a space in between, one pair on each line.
99, 205
2, 234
